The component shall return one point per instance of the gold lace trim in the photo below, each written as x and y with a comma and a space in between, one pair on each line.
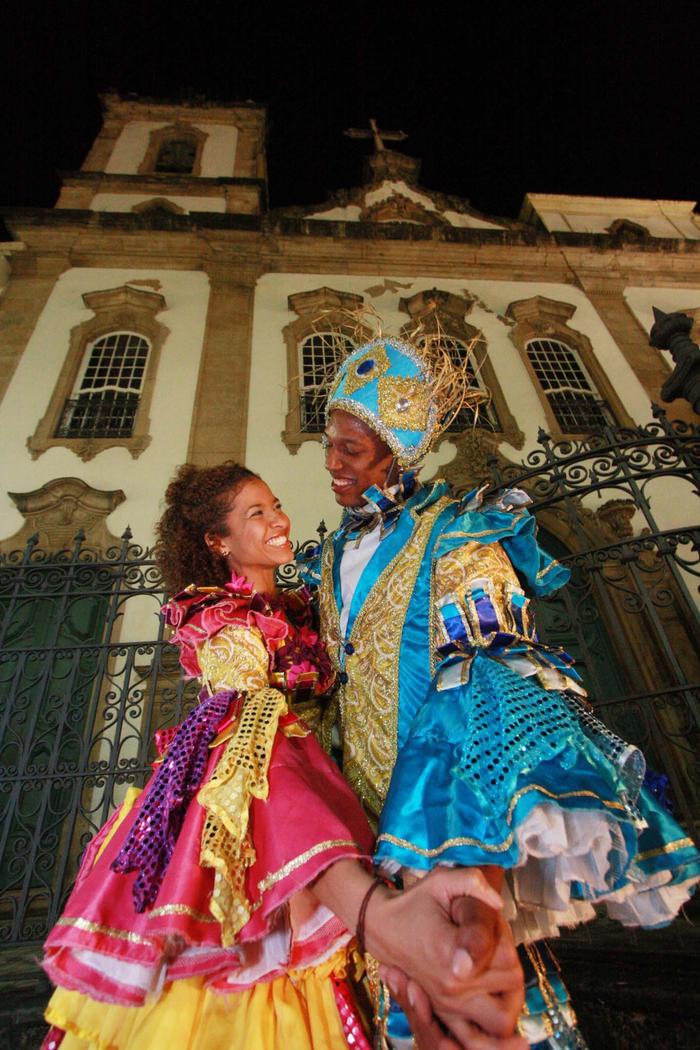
234, 658
240, 776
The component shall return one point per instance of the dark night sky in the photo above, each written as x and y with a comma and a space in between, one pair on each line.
500, 98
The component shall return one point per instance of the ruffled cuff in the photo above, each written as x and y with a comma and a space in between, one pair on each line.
516, 529
498, 772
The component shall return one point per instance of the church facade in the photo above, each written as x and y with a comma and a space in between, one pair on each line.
160, 312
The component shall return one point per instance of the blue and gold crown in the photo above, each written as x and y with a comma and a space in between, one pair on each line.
388, 385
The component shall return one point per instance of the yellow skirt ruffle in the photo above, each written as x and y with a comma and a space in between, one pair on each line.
295, 1012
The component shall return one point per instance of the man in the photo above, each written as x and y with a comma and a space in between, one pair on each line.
462, 734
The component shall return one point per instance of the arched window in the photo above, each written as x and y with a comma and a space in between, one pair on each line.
319, 356
177, 155
465, 356
570, 381
317, 340
569, 389
435, 312
106, 396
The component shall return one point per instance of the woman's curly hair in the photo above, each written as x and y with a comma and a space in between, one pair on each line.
197, 500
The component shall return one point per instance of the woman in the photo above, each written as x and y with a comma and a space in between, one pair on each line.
217, 909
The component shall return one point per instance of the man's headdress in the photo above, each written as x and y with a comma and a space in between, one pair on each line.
407, 393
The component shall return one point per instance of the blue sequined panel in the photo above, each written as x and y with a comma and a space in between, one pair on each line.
496, 738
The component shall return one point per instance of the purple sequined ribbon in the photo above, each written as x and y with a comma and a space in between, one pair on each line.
151, 841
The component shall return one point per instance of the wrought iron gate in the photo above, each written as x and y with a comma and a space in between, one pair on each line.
86, 675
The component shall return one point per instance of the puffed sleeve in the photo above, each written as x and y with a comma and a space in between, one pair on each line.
234, 658
482, 607
277, 811
504, 765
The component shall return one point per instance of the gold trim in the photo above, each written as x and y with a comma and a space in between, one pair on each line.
669, 847
459, 841
565, 794
461, 535
276, 876
95, 927
508, 841
543, 572
180, 909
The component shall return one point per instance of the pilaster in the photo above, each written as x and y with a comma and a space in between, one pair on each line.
647, 363
220, 413
30, 284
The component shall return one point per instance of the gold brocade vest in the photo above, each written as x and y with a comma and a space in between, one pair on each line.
368, 696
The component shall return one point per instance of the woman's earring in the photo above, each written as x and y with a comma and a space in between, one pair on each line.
224, 552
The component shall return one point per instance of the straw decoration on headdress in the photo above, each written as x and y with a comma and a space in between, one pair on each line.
408, 390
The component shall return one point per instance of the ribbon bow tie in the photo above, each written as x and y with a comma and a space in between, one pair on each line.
382, 507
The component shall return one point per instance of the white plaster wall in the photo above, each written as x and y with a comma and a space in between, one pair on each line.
350, 214
299, 479
674, 501
130, 148
661, 218
126, 201
143, 480
470, 222
641, 300
218, 155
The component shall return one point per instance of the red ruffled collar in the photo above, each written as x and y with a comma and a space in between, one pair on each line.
198, 613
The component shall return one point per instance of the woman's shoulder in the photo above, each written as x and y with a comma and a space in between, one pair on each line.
212, 605
198, 613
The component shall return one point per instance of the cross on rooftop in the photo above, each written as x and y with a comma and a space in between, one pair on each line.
374, 132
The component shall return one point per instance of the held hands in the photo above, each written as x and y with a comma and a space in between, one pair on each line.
483, 1019
443, 941
445, 932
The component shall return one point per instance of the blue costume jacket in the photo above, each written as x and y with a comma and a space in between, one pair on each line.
467, 739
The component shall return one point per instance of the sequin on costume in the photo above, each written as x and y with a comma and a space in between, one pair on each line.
151, 841
479, 747
193, 901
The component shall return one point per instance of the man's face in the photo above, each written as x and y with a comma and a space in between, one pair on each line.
355, 458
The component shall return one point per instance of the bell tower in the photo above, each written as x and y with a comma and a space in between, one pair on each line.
179, 157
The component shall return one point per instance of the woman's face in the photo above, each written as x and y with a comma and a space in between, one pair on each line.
257, 531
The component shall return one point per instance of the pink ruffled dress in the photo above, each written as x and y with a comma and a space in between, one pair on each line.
206, 876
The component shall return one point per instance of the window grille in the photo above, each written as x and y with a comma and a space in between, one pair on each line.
320, 355
177, 156
463, 356
106, 398
571, 393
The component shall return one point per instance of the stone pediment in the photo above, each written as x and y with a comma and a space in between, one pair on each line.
394, 200
56, 511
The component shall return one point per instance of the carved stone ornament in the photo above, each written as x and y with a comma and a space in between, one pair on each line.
58, 509
469, 468
399, 208
617, 514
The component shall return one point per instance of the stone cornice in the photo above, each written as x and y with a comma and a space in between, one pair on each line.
116, 106
167, 182
287, 227
87, 238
